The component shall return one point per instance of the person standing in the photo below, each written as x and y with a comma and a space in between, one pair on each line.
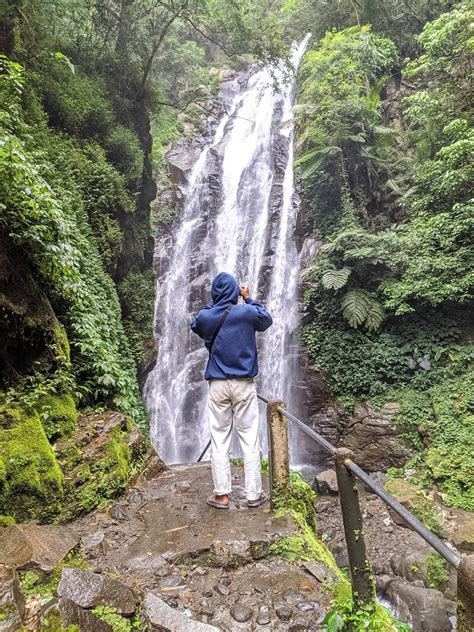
228, 330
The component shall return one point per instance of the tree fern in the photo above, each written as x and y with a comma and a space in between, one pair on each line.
335, 279
360, 307
356, 305
375, 317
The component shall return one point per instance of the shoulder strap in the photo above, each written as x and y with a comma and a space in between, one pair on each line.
219, 326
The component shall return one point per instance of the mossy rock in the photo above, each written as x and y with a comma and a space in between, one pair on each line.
99, 460
30, 477
32, 337
58, 415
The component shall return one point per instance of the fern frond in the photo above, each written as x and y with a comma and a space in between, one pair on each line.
335, 279
375, 317
355, 306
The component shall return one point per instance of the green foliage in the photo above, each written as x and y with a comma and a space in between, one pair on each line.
437, 569
137, 297
117, 621
123, 150
75, 103
43, 585
398, 264
438, 424
338, 116
31, 483
51, 225
344, 616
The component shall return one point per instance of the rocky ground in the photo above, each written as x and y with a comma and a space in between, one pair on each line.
164, 559
411, 578
159, 559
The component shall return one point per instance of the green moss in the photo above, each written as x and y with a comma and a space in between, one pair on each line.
31, 487
53, 624
39, 584
296, 500
58, 415
111, 616
94, 483
6, 521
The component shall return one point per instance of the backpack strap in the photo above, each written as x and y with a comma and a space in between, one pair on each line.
219, 326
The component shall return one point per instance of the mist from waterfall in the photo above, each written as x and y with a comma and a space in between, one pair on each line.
243, 224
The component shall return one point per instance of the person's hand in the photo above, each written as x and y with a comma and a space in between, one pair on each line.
244, 292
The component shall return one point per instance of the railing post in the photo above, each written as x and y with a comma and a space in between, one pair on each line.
278, 456
363, 590
465, 610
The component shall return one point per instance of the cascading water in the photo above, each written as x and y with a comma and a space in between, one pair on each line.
239, 215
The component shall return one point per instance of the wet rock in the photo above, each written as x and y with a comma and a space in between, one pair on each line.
263, 617
154, 467
162, 618
306, 586
72, 614
284, 613
320, 571
374, 439
12, 604
222, 590
119, 513
241, 613
463, 536
91, 545
180, 160
382, 582
424, 608
380, 478
298, 626
325, 483
88, 589
322, 506
171, 581
230, 554
35, 546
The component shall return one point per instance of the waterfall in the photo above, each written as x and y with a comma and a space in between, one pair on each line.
239, 216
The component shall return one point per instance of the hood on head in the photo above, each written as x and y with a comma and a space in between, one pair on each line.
225, 289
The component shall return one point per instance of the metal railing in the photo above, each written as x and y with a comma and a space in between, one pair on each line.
347, 472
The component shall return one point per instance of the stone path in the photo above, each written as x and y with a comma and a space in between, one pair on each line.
211, 565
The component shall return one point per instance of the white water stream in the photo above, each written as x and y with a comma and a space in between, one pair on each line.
250, 234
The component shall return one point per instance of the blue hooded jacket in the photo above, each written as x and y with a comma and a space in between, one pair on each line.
234, 353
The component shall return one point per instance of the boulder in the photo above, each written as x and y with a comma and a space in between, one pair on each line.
180, 160
162, 618
88, 589
12, 605
325, 483
463, 536
72, 614
36, 546
424, 608
412, 562
374, 439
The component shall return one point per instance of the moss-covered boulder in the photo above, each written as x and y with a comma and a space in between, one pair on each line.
99, 459
30, 477
58, 415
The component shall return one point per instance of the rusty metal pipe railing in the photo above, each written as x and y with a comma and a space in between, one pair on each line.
347, 471
449, 555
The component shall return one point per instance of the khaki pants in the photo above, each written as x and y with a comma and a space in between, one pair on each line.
234, 403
